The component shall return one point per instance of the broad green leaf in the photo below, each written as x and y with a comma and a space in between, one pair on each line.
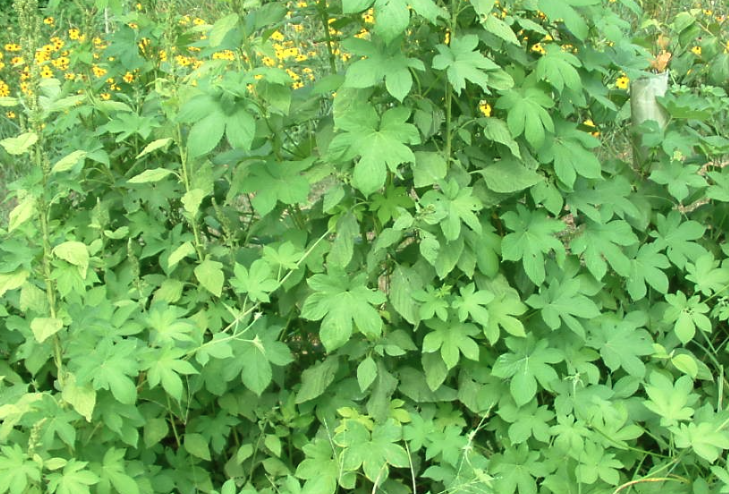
320, 470
155, 430
81, 398
393, 17
257, 372
206, 134
708, 277
366, 373
452, 206
472, 303
596, 463
68, 162
507, 177
240, 129
221, 28
502, 314
429, 10
570, 152
11, 281
532, 237
148, 176
499, 28
453, 340
181, 252
45, 327
498, 131
21, 213
20, 144
527, 114
355, 6
74, 253
517, 468
197, 446
342, 303
622, 345
166, 369
154, 146
429, 168
316, 379
17, 470
210, 275
111, 366
114, 472
191, 201
272, 182
706, 439
602, 242
463, 62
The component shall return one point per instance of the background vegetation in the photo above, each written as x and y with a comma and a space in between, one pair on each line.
363, 246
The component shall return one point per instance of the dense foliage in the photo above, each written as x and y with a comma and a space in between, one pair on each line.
362, 246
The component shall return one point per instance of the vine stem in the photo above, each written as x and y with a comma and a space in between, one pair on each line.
184, 158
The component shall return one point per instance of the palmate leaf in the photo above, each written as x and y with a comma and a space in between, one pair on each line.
565, 10
671, 401
75, 479
647, 268
527, 363
380, 146
621, 345
453, 340
380, 62
342, 303
558, 68
601, 242
570, 152
273, 182
564, 302
528, 114
166, 367
454, 205
678, 238
463, 62
371, 452
111, 366
532, 237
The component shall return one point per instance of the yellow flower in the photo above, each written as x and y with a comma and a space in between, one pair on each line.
49, 21
133, 25
46, 72
268, 61
696, 50
10, 114
198, 22
277, 36
301, 4
98, 71
4, 89
74, 33
538, 48
69, 76
105, 96
622, 82
297, 85
484, 108
591, 124
12, 47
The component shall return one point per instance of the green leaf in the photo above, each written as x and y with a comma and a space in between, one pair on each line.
113, 471
453, 340
706, 439
677, 237
11, 281
564, 302
528, 114
17, 470
678, 177
240, 129
81, 398
601, 242
21, 213
75, 479
45, 327
68, 161
319, 469
197, 446
342, 303
20, 144
154, 146
366, 373
257, 372
596, 463
272, 182
210, 275
110, 366
622, 344
183, 251
570, 151
453, 205
74, 253
371, 452
497, 130
148, 176
671, 401
499, 28
205, 134
687, 315
463, 62
355, 6
527, 363
317, 378
429, 168
507, 177
393, 17
473, 303
557, 67
256, 283
565, 10
532, 237
221, 28
166, 369
502, 310
155, 430
647, 267
707, 276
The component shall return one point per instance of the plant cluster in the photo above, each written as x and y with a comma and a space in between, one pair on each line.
362, 246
